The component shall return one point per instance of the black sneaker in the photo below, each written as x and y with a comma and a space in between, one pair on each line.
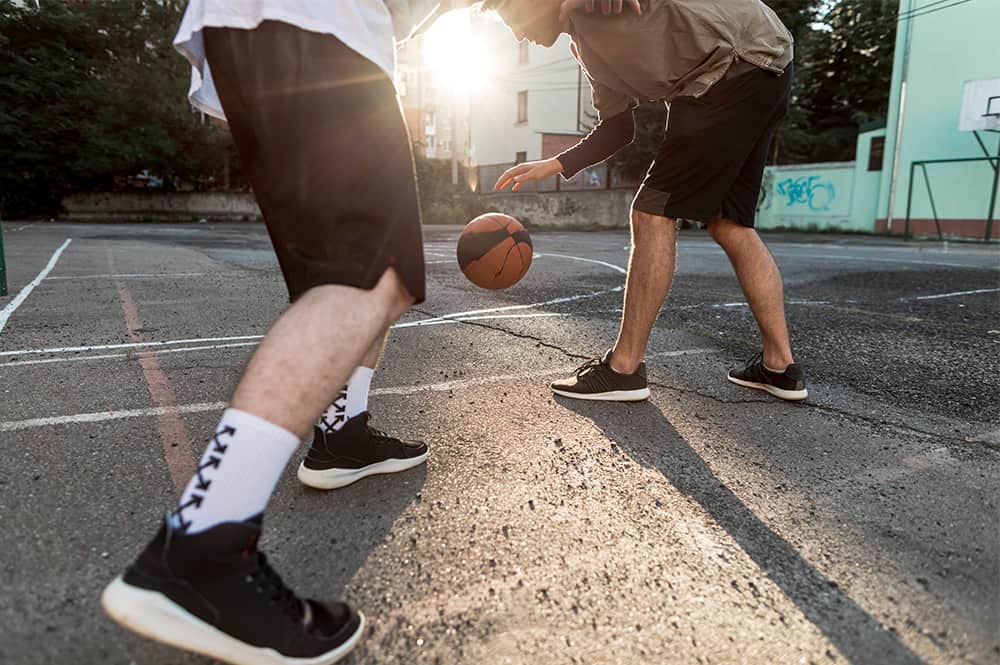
789, 385
338, 458
214, 593
596, 380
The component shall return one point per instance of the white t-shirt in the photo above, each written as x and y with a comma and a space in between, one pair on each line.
366, 26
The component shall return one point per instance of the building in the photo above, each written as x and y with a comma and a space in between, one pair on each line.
533, 104
917, 173
436, 119
937, 51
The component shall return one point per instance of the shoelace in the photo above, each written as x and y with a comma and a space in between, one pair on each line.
268, 581
593, 363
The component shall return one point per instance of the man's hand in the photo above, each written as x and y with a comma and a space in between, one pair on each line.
528, 171
607, 6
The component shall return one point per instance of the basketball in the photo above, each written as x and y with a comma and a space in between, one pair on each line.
494, 251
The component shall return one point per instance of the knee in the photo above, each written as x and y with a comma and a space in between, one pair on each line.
725, 231
646, 225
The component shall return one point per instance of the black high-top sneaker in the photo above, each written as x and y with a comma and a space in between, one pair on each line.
215, 594
338, 458
596, 380
788, 385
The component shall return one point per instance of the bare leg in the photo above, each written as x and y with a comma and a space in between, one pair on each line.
760, 280
310, 351
374, 353
650, 275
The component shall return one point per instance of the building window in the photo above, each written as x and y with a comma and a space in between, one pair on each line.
876, 152
522, 106
521, 157
523, 53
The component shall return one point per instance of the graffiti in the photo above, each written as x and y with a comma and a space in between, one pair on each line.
809, 191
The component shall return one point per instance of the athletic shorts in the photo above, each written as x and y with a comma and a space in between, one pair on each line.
712, 158
323, 142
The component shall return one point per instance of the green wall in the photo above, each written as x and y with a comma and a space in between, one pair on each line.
946, 48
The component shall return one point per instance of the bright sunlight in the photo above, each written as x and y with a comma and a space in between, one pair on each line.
455, 57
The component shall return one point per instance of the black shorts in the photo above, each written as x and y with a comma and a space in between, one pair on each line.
322, 140
712, 158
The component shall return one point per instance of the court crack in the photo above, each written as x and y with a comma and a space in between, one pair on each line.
829, 410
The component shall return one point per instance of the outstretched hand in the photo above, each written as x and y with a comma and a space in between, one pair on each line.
607, 6
528, 171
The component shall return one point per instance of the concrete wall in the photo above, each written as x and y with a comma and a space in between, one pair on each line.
609, 207
935, 54
808, 196
154, 207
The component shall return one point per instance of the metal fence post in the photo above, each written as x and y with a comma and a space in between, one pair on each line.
993, 199
3, 265
909, 202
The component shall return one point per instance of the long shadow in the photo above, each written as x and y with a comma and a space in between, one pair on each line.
644, 433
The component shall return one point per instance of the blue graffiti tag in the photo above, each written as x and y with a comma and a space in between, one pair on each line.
808, 190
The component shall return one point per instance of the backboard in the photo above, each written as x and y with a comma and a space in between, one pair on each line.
980, 106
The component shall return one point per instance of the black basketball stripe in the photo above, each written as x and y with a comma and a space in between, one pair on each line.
475, 245
522, 236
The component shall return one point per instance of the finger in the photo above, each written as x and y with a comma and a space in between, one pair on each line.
508, 176
591, 5
616, 6
605, 7
634, 4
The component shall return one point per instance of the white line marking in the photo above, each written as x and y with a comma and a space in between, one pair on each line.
139, 275
104, 416
129, 345
30, 286
186, 349
952, 294
579, 258
508, 308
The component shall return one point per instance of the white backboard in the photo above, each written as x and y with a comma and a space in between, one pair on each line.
980, 106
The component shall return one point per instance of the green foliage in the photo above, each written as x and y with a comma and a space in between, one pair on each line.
91, 93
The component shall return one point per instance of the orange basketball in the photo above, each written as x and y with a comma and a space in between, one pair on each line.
494, 251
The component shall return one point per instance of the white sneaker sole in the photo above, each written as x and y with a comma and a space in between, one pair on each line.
153, 615
612, 396
331, 479
789, 395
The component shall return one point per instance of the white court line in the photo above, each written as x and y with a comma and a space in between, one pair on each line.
952, 294
103, 416
460, 315
187, 349
130, 345
138, 275
30, 286
580, 258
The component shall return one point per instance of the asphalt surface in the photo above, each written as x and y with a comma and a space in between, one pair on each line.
711, 524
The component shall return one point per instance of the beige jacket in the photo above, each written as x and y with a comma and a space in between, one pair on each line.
677, 48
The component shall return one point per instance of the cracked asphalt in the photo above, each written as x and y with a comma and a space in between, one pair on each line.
710, 524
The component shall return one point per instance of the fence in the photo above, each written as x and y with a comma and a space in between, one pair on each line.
994, 163
596, 177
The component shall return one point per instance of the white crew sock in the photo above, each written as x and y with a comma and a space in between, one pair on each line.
352, 401
237, 473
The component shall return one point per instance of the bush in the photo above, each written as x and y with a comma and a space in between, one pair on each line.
441, 202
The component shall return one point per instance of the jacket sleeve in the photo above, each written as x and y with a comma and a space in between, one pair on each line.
608, 137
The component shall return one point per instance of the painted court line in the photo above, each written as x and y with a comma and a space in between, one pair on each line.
953, 294
176, 411
178, 451
30, 286
138, 275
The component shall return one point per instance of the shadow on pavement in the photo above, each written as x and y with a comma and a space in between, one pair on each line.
857, 635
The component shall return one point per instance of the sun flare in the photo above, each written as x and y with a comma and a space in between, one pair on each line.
456, 58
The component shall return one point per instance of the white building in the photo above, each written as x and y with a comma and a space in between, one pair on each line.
534, 102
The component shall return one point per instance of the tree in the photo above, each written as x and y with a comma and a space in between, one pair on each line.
91, 93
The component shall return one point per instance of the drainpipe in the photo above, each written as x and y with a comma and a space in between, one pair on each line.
902, 113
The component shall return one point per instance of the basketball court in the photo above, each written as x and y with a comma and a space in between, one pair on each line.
711, 524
